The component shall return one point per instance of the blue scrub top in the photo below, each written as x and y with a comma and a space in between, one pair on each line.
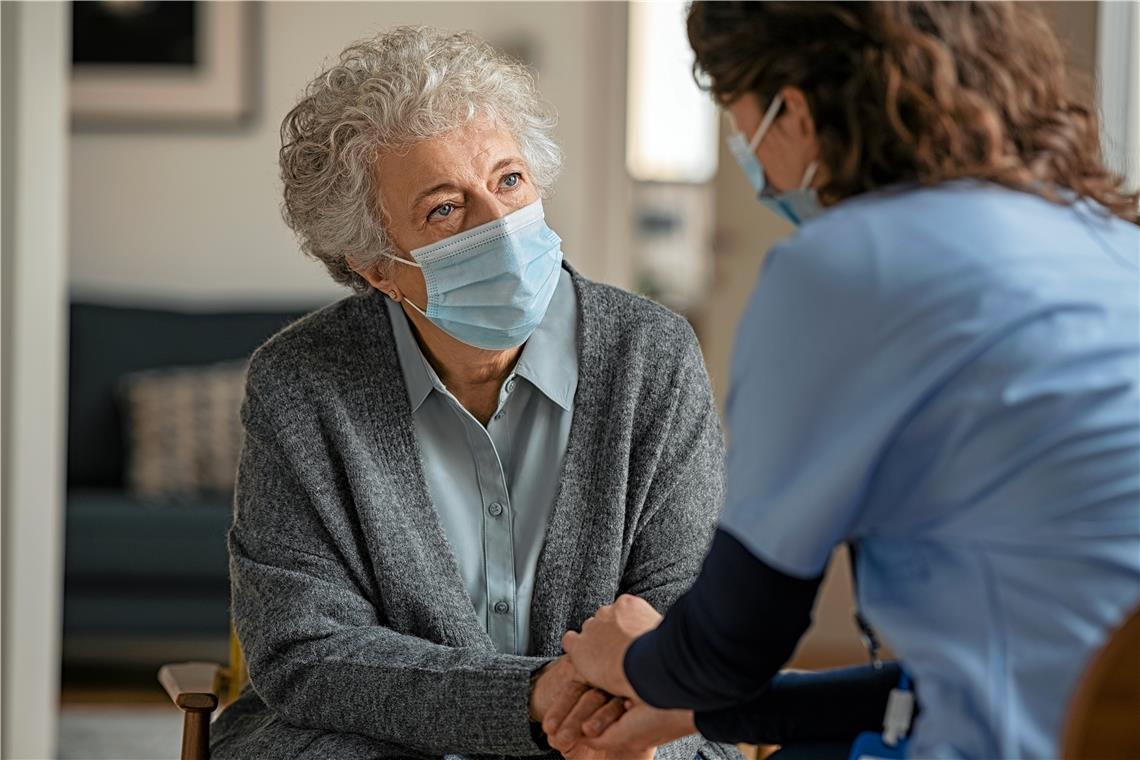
947, 377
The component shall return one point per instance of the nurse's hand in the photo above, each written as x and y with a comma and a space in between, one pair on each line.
637, 729
585, 753
570, 741
598, 651
601, 727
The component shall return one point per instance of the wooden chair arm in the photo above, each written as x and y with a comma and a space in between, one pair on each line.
194, 687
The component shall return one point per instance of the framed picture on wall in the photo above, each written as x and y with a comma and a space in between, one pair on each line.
140, 63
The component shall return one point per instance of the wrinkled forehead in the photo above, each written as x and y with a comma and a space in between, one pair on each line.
463, 156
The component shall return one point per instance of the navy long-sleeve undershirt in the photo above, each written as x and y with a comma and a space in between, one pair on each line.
824, 706
720, 648
726, 637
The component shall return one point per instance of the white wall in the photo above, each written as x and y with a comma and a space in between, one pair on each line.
34, 52
195, 215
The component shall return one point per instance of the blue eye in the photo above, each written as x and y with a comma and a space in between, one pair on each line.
512, 179
442, 210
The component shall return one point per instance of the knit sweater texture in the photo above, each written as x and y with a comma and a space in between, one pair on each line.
359, 634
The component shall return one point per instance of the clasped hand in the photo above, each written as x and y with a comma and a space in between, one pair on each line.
586, 704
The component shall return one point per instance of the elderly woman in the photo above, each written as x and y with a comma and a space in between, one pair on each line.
449, 469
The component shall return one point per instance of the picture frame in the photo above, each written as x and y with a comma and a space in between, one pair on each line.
212, 86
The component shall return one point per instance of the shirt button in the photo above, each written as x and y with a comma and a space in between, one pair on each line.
495, 508
502, 607
499, 416
511, 385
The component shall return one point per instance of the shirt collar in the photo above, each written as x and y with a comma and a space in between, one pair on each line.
419, 376
549, 360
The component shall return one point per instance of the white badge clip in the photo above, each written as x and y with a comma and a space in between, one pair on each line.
900, 711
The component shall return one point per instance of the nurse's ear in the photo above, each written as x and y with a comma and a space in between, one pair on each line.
798, 125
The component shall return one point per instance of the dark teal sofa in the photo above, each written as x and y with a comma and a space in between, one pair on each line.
138, 570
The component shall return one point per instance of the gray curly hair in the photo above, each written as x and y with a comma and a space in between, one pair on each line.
385, 93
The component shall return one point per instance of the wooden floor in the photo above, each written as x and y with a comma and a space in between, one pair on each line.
109, 686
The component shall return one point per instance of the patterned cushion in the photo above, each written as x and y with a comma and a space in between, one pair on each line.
183, 429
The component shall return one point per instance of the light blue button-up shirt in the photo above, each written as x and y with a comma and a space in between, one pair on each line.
948, 378
494, 486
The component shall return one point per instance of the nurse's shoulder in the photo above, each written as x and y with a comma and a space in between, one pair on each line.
840, 261
960, 237
862, 239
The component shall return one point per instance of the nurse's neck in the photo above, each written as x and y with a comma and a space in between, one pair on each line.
473, 375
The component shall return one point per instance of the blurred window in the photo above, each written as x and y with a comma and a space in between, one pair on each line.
1118, 72
671, 125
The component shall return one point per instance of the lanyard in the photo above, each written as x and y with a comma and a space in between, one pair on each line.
866, 632
892, 742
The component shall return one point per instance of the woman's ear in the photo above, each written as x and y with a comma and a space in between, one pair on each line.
373, 277
799, 126
802, 124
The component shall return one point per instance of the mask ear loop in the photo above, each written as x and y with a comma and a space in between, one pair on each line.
408, 301
809, 175
766, 123
403, 298
416, 264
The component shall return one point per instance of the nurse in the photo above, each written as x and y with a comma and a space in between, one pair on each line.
939, 368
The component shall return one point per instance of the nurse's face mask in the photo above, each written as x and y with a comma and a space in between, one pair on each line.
797, 206
490, 286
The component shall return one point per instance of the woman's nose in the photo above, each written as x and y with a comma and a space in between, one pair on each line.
484, 206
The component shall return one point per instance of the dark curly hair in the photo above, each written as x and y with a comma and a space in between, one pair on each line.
916, 92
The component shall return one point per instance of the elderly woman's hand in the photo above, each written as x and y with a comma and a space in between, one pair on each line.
599, 650
556, 683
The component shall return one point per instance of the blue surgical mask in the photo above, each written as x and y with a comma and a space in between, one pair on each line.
797, 206
490, 286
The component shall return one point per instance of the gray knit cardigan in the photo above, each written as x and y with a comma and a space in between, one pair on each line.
360, 637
